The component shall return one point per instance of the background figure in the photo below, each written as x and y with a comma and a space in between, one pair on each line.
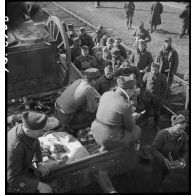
99, 34
185, 16
168, 59
156, 11
129, 11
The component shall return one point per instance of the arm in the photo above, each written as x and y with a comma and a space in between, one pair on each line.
133, 6
148, 37
144, 80
90, 100
161, 9
124, 53
156, 146
98, 85
15, 174
38, 154
132, 58
149, 61
184, 150
175, 63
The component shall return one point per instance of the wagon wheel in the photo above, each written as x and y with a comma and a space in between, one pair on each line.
57, 32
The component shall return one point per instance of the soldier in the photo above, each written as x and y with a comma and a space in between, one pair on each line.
168, 59
77, 105
71, 33
142, 59
156, 11
129, 11
117, 44
107, 49
75, 49
23, 149
141, 33
98, 62
82, 62
115, 125
86, 39
117, 59
155, 89
185, 16
99, 34
106, 81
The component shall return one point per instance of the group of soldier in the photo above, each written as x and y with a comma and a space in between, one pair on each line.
123, 84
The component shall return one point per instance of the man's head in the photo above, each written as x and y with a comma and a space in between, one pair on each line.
141, 26
115, 52
127, 83
108, 71
155, 68
36, 124
84, 51
82, 31
110, 42
167, 42
142, 45
77, 41
117, 41
179, 124
100, 27
70, 27
98, 52
91, 75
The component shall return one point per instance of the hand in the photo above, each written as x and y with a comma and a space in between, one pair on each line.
44, 188
43, 170
183, 161
166, 161
136, 116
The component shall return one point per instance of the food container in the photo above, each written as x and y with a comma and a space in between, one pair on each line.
83, 141
81, 133
175, 164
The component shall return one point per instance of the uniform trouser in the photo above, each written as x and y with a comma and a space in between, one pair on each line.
152, 102
110, 137
75, 120
129, 19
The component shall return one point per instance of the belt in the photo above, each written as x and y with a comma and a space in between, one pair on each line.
97, 120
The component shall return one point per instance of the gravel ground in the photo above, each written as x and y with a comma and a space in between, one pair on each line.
111, 15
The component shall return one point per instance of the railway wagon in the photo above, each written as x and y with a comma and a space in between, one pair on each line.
39, 65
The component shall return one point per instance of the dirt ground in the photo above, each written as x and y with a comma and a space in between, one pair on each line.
111, 15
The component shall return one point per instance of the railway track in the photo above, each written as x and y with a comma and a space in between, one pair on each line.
173, 105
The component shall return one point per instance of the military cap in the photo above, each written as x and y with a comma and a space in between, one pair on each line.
168, 39
155, 65
126, 82
108, 68
96, 49
177, 119
110, 40
82, 29
115, 51
85, 47
100, 27
76, 40
38, 121
92, 73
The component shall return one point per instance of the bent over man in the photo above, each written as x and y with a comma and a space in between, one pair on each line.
114, 125
24, 148
77, 105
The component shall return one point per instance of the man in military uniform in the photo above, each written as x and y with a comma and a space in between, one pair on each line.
82, 61
107, 49
142, 59
141, 33
99, 34
77, 105
71, 34
23, 149
129, 11
168, 59
185, 15
155, 89
98, 62
86, 40
115, 125
75, 49
117, 44
117, 59
106, 81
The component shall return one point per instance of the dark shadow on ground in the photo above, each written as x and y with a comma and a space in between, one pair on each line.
166, 32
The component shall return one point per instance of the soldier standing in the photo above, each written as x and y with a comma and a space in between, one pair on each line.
129, 11
168, 59
107, 49
156, 11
